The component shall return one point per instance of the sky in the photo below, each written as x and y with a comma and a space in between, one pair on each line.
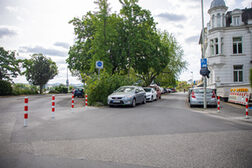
41, 26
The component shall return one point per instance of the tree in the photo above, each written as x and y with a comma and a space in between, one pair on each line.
126, 43
9, 65
39, 70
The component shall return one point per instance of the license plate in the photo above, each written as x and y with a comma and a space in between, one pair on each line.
116, 101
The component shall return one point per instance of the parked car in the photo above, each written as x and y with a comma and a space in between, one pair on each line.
157, 90
173, 90
196, 97
127, 95
151, 94
169, 90
78, 93
162, 90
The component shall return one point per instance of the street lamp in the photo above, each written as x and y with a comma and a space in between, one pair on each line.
203, 51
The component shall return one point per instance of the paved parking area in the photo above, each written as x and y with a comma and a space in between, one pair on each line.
165, 133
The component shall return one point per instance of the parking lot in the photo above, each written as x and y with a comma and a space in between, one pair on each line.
163, 133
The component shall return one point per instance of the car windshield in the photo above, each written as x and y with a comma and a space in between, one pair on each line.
147, 89
125, 89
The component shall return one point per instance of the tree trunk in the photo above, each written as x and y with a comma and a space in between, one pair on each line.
41, 89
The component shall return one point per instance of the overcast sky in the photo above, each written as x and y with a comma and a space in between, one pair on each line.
41, 26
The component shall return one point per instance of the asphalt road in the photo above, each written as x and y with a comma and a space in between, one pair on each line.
165, 133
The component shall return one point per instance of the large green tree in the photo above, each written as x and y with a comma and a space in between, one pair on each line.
39, 70
9, 65
127, 43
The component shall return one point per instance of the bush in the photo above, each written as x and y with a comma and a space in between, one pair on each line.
59, 89
98, 90
23, 89
5, 88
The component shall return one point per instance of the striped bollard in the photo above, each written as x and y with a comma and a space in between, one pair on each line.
25, 111
72, 102
247, 117
86, 101
218, 104
53, 106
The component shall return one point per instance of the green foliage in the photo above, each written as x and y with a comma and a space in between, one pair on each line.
9, 65
182, 85
59, 89
98, 90
126, 42
39, 70
250, 77
24, 89
5, 88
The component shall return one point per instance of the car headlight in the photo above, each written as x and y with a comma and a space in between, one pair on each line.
127, 97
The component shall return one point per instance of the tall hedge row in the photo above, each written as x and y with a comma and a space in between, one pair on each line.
5, 88
99, 89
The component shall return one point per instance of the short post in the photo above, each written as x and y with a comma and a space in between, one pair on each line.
86, 101
218, 104
247, 116
53, 106
25, 111
72, 102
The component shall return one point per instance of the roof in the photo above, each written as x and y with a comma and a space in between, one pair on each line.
218, 3
246, 15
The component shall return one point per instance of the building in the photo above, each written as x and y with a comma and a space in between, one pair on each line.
228, 47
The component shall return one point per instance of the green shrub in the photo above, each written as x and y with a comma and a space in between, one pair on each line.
98, 90
59, 89
5, 88
24, 89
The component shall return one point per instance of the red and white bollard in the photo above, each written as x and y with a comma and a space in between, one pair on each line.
86, 101
25, 111
72, 102
53, 106
218, 104
247, 116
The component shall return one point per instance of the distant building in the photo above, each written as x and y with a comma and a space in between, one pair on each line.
228, 47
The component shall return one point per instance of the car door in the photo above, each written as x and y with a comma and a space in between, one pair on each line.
138, 95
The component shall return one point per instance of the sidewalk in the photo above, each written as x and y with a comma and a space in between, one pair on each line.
230, 111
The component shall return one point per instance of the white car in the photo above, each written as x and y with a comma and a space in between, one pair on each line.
151, 94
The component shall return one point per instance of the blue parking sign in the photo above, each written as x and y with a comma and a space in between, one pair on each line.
203, 63
99, 64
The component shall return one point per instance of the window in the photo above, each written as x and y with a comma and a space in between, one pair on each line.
222, 45
236, 20
213, 21
237, 45
218, 20
214, 46
238, 73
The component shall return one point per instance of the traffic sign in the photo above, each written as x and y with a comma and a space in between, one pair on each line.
99, 64
203, 63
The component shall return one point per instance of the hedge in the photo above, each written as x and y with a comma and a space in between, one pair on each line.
5, 88
98, 90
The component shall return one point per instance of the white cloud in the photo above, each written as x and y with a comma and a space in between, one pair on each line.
247, 3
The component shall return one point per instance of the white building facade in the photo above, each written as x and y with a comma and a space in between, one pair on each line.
228, 42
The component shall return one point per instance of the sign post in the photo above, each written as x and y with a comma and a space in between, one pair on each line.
99, 66
204, 66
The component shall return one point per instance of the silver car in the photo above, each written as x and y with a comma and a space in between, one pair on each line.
196, 97
127, 95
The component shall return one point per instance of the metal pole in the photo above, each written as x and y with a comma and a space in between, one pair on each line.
203, 50
99, 73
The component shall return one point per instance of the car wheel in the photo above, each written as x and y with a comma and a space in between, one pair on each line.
144, 100
133, 103
191, 105
151, 98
